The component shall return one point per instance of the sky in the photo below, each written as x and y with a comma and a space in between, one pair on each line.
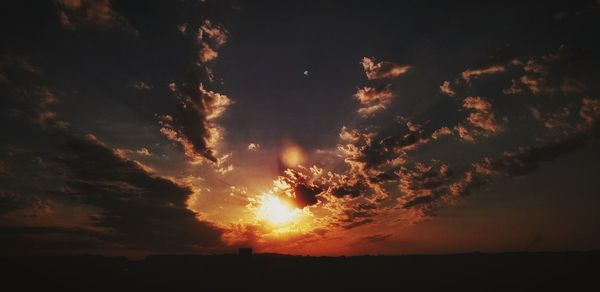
299, 127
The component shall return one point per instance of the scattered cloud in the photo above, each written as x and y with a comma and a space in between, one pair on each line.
513, 89
182, 28
210, 37
382, 70
590, 111
141, 85
483, 117
550, 74
443, 131
447, 89
143, 151
253, 147
373, 99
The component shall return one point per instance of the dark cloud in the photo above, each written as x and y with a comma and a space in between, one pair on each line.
358, 214
516, 163
194, 124
24, 95
140, 210
4, 170
357, 223
74, 14
303, 191
528, 159
424, 184
349, 188
373, 151
555, 72
10, 201
376, 238
305, 194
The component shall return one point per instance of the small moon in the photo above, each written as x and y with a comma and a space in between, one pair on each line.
306, 73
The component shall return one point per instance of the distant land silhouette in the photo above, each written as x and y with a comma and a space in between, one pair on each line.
473, 271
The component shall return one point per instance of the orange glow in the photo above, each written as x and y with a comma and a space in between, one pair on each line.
292, 156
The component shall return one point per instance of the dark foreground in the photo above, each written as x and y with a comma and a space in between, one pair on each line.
481, 272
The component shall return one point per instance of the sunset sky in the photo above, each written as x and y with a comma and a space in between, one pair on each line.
299, 127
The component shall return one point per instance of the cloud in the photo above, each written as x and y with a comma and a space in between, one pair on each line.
443, 131
468, 74
464, 133
380, 158
207, 54
141, 85
354, 224
11, 201
182, 28
4, 170
139, 209
527, 159
426, 187
298, 185
375, 238
558, 120
423, 184
74, 14
373, 99
143, 151
194, 126
382, 70
483, 117
214, 33
375, 156
210, 37
306, 194
351, 136
253, 147
513, 89
447, 89
552, 73
351, 187
590, 111
25, 94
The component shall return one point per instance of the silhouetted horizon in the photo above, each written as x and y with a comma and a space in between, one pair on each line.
492, 272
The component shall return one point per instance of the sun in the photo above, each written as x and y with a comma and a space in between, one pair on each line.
275, 211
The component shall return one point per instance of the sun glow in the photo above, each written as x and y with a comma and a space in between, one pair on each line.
275, 211
292, 155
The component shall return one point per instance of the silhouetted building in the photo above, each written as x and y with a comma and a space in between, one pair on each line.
245, 251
